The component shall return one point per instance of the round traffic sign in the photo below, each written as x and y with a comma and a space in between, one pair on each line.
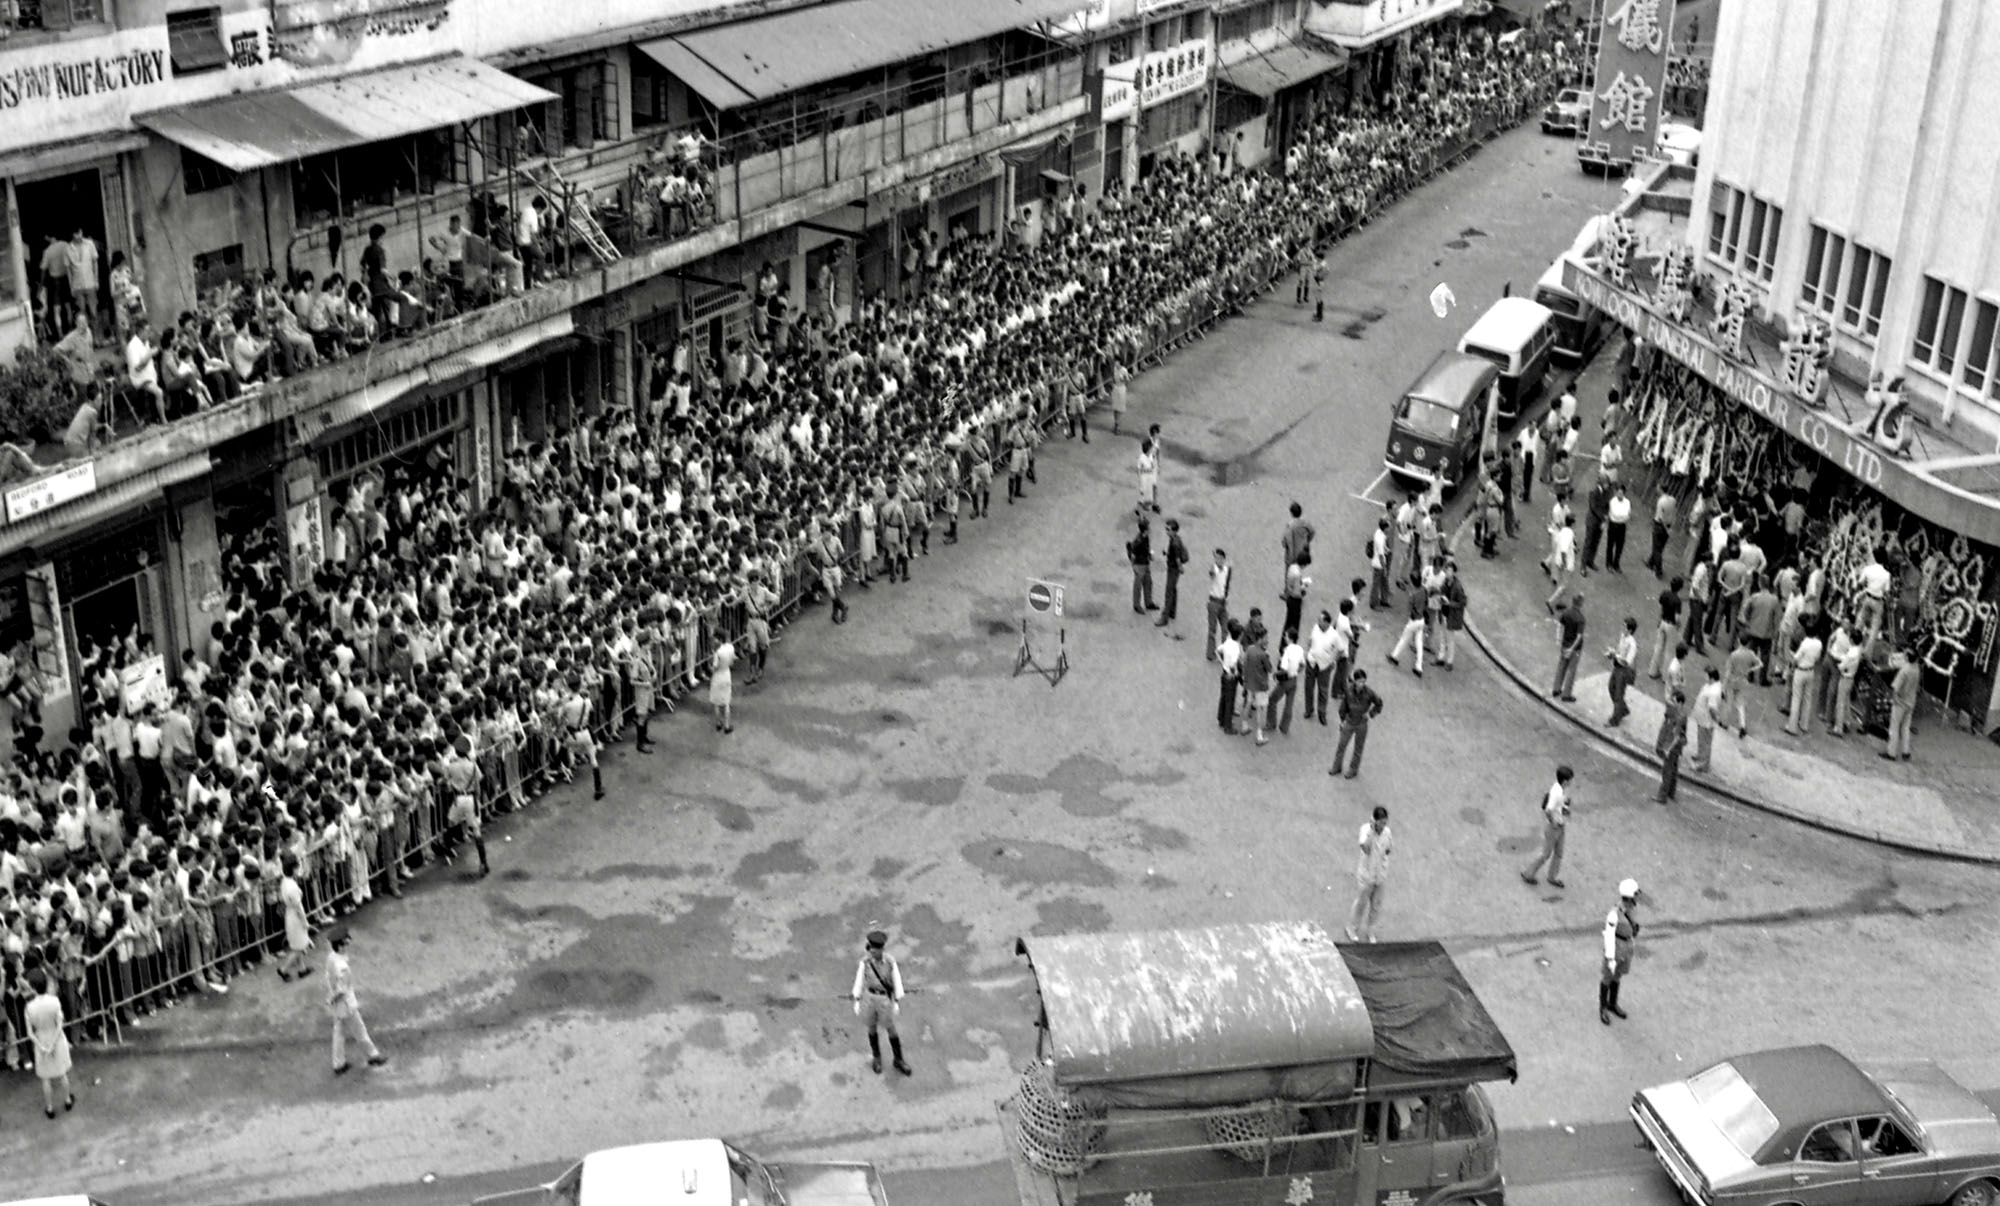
1039, 596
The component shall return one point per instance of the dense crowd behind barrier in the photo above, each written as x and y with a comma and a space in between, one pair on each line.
449, 663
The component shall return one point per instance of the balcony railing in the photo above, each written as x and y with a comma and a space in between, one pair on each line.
746, 174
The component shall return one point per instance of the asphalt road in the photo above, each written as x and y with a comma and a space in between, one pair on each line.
670, 962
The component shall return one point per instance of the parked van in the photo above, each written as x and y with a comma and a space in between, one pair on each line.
1519, 336
1580, 326
1444, 420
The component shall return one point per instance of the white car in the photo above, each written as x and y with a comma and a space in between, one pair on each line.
700, 1172
1679, 143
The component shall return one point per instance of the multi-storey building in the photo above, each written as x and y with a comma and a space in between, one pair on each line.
837, 141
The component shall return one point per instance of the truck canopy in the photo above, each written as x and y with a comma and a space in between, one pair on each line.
1191, 1018
1428, 1023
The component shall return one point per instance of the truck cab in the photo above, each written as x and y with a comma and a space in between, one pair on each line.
1256, 1064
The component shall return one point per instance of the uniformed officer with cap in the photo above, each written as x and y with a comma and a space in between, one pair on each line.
1621, 933
878, 990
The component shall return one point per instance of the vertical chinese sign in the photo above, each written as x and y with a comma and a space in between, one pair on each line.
1631, 80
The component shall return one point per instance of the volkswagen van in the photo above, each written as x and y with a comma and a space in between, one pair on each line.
1444, 420
1519, 336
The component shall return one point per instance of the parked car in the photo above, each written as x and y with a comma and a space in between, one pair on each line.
1805, 1126
700, 1172
1567, 113
1679, 143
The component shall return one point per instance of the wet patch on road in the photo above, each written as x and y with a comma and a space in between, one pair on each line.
1021, 862
1068, 915
1081, 781
886, 869
515, 875
707, 1034
587, 988
1517, 845
1458, 245
1358, 328
1469, 814
785, 858
611, 871
936, 791
1693, 962
728, 813
1000, 628
1150, 837
1084, 610
785, 1097
1714, 893
1472, 232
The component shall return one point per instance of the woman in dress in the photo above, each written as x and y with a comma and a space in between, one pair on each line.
45, 1030
721, 687
1149, 477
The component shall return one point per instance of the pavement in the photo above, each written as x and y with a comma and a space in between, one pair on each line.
673, 961
1946, 801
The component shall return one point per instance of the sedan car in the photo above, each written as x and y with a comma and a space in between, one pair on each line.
699, 1172
1679, 143
1804, 1126
1567, 113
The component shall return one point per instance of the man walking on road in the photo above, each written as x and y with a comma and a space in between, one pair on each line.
1371, 873
1621, 934
344, 1006
1298, 538
1569, 650
1670, 744
1707, 714
1668, 634
1358, 705
1555, 827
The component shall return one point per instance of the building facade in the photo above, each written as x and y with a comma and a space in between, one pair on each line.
1847, 165
837, 144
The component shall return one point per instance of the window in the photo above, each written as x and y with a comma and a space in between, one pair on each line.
1194, 25
200, 174
1743, 230
339, 183
1845, 281
1162, 34
1121, 48
1233, 26
1734, 1108
1454, 1116
1963, 353
1881, 1139
194, 41
582, 114
24, 15
214, 269
1171, 119
1830, 1144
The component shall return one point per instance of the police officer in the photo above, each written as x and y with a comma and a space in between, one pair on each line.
1621, 932
877, 993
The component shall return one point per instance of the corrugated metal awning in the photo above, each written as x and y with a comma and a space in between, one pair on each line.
1194, 1002
258, 129
104, 503
68, 153
749, 61
1275, 70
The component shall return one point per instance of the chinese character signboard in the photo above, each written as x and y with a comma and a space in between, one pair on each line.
1631, 81
1165, 74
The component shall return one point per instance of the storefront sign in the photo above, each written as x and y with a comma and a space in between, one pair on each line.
1631, 80
955, 179
1752, 387
51, 642
1168, 73
482, 443
1121, 95
305, 536
51, 491
144, 682
91, 86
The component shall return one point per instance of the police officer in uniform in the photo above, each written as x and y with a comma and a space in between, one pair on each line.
878, 989
1621, 933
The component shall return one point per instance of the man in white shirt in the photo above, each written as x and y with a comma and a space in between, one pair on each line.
1218, 601
1371, 873
1805, 677
1617, 514
1707, 714
140, 370
1285, 682
1562, 560
1230, 654
1875, 580
1555, 828
1325, 647
1624, 656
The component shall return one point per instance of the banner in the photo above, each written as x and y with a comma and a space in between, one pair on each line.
1631, 80
144, 682
1165, 74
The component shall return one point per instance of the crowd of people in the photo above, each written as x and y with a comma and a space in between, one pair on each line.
334, 732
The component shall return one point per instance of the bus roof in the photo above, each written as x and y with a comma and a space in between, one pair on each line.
1453, 378
1193, 1002
1508, 325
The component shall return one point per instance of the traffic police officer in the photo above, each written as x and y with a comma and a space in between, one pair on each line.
1621, 932
878, 989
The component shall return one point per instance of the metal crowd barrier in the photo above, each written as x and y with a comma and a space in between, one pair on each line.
148, 967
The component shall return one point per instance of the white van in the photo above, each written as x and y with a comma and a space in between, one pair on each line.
1519, 336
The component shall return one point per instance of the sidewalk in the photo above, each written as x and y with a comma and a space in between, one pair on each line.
1945, 801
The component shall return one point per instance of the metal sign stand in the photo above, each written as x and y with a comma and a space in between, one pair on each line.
1045, 602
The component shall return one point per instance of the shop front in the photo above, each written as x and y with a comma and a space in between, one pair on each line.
1705, 417
1171, 101
907, 227
1269, 89
54, 192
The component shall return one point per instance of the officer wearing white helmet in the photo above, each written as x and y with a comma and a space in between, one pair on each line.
1621, 933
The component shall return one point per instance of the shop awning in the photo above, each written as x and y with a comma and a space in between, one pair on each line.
1274, 70
107, 502
749, 61
258, 129
68, 153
